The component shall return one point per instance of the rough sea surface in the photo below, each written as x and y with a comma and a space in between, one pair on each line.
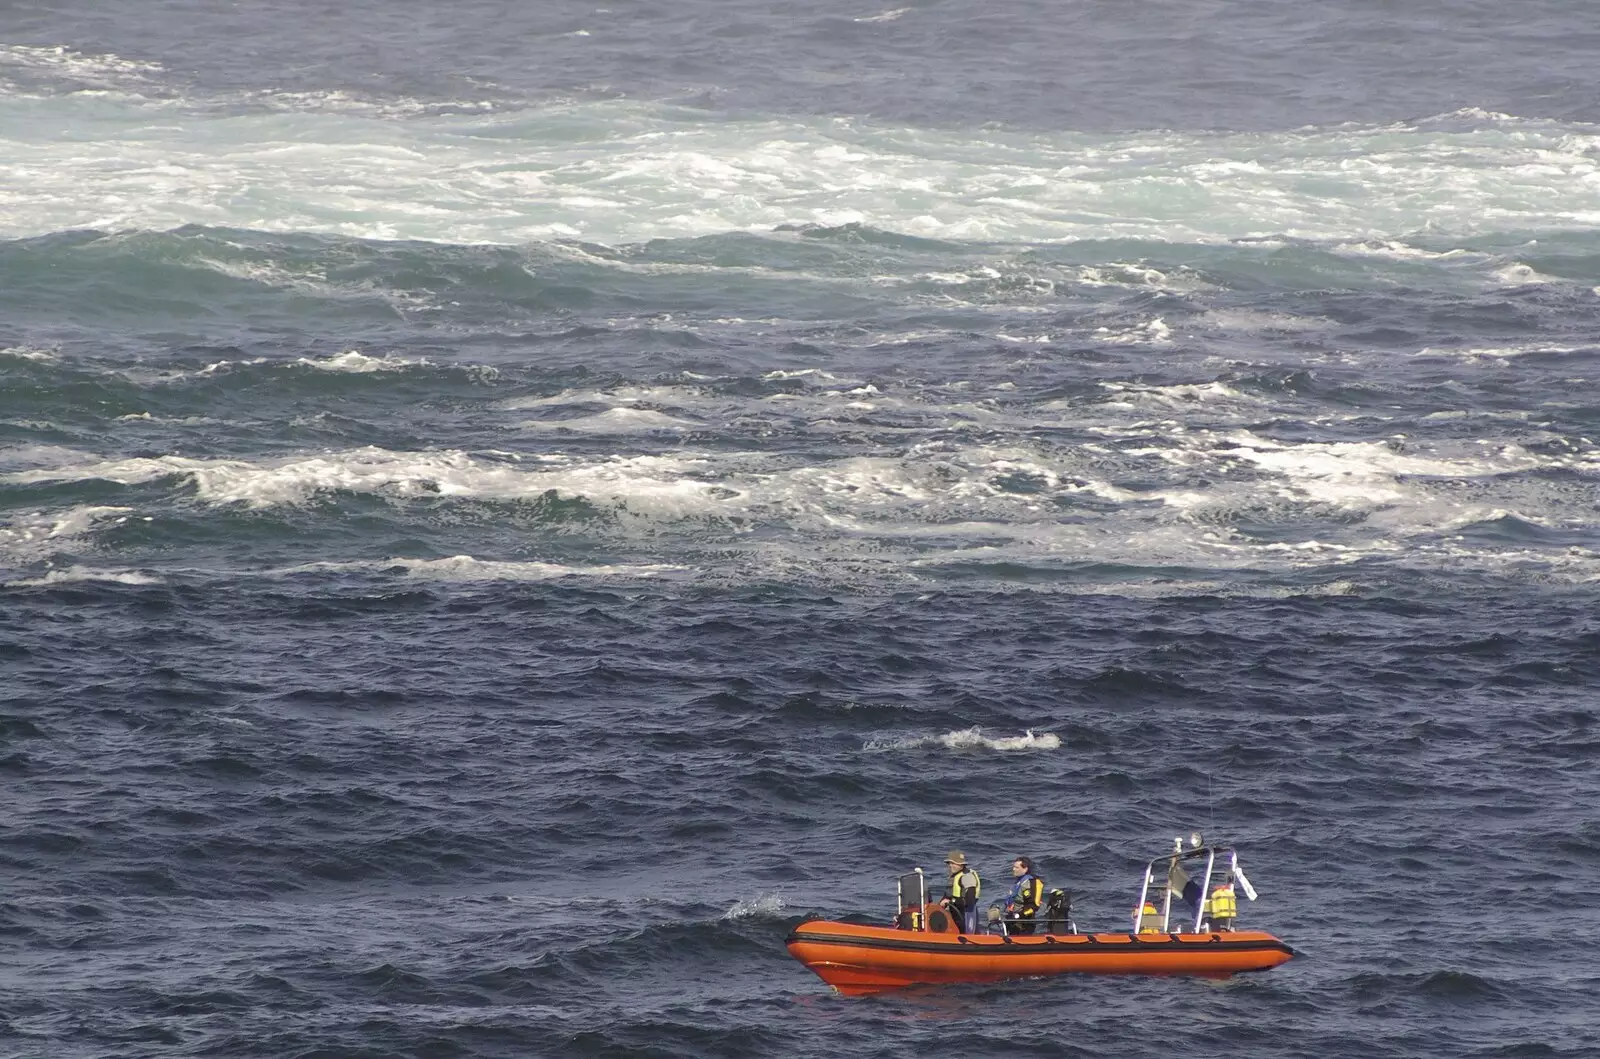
505, 508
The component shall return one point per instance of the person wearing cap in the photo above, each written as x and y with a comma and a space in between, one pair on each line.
1026, 895
964, 889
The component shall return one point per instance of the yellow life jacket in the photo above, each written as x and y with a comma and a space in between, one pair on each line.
1031, 897
1150, 919
1223, 904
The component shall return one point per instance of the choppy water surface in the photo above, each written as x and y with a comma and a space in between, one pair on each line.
498, 523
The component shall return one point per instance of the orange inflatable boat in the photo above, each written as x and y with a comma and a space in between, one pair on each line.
925, 945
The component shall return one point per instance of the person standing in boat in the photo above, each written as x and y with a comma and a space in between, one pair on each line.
964, 889
1027, 894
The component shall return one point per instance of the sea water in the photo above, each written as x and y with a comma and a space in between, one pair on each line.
503, 512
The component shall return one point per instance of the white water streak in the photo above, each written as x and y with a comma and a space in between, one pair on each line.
619, 172
969, 739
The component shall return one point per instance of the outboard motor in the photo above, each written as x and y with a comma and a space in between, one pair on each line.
1058, 913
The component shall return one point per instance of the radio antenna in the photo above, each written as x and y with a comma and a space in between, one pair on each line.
1211, 810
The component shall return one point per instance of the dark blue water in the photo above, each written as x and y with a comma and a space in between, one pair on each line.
502, 513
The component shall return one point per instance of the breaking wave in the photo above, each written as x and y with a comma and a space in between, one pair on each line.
616, 171
969, 739
767, 906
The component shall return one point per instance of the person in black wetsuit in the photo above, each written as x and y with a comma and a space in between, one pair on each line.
1027, 894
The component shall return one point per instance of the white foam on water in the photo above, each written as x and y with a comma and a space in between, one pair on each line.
1569, 566
665, 409
1165, 588
74, 574
1187, 495
1154, 332
266, 274
54, 526
30, 353
949, 279
648, 485
1486, 513
622, 172
1396, 250
339, 101
124, 472
886, 16
107, 71
146, 417
621, 396
1177, 397
1393, 498
39, 456
1517, 274
767, 906
465, 568
36, 535
1137, 275
220, 367
799, 373
353, 362
969, 739
614, 421
1501, 352
313, 282
1255, 320
1367, 474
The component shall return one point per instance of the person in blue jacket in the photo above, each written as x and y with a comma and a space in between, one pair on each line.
1026, 895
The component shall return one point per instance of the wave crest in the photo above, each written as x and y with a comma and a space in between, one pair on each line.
970, 739
767, 906
620, 172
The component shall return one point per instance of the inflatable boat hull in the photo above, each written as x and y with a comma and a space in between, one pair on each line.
863, 959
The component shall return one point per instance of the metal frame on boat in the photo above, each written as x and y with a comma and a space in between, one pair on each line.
1174, 861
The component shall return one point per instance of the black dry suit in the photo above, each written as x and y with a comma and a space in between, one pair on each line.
1024, 900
